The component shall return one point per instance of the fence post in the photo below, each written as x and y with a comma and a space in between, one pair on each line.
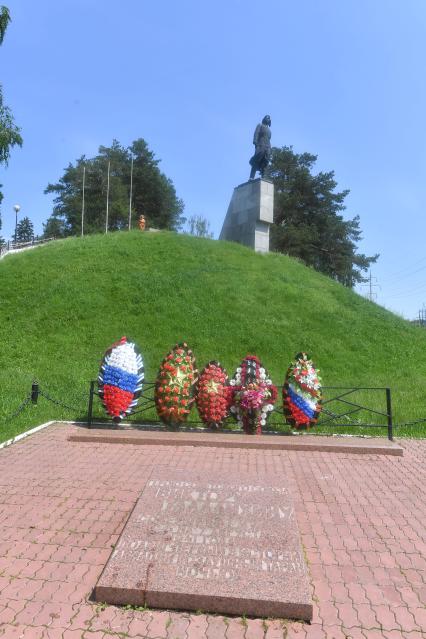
90, 407
389, 413
35, 391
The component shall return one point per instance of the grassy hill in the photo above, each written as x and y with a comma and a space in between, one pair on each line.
63, 304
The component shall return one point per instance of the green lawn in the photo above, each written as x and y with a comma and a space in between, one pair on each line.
63, 304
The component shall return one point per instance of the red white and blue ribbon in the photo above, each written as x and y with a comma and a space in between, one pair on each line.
302, 392
120, 378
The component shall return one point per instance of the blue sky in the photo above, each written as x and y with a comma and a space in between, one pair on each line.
343, 79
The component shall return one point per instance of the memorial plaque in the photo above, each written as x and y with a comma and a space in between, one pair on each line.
197, 542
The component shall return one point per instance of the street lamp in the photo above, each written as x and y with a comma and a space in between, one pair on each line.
16, 208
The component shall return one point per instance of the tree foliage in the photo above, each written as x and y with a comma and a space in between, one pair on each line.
1, 198
54, 227
4, 21
307, 218
199, 226
24, 230
9, 133
153, 194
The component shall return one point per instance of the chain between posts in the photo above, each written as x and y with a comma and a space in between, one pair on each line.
19, 410
58, 402
36, 392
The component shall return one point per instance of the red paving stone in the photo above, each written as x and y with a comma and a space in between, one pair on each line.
63, 505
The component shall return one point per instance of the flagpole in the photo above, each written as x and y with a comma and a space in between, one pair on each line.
130, 200
107, 202
82, 203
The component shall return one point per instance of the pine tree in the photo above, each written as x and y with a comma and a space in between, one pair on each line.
24, 230
153, 194
307, 218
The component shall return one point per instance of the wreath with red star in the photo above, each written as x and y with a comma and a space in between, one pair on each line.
213, 395
174, 388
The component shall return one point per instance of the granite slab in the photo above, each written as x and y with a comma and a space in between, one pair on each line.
205, 542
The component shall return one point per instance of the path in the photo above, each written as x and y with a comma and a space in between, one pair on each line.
63, 505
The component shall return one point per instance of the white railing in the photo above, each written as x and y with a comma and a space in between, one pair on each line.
12, 247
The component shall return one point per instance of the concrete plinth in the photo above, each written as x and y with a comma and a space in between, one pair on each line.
323, 444
196, 541
250, 213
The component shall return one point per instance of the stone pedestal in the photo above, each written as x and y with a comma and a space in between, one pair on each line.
250, 213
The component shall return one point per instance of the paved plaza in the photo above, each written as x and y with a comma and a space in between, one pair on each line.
63, 505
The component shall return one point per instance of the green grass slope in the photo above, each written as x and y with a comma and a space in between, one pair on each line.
63, 304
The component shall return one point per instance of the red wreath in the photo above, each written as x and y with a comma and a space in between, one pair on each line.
174, 388
213, 395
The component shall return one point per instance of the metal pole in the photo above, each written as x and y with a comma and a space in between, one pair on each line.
389, 413
130, 200
82, 202
107, 202
90, 407
34, 392
16, 208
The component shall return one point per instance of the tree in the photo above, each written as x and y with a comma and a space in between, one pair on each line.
153, 194
307, 220
54, 227
9, 133
4, 21
199, 226
24, 230
1, 238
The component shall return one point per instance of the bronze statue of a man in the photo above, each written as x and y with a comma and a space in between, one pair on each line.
262, 145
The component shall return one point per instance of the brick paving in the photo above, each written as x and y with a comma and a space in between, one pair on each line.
63, 505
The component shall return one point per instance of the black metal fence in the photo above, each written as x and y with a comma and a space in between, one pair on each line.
356, 410
353, 409
339, 410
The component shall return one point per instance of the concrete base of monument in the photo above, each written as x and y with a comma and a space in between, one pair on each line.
250, 214
202, 542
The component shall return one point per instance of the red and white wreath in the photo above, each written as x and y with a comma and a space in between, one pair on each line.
252, 395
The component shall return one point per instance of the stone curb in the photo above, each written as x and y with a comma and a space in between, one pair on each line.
25, 434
